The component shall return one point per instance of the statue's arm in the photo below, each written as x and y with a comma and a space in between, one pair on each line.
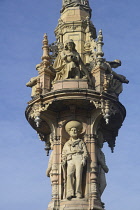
121, 78
32, 82
63, 56
102, 162
85, 154
64, 155
49, 165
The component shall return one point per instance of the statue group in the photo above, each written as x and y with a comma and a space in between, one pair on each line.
75, 108
68, 65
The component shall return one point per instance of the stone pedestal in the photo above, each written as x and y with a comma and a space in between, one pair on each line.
74, 204
46, 78
98, 74
70, 83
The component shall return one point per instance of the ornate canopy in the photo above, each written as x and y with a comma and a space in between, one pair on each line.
73, 3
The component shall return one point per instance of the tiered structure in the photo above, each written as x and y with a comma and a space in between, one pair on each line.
75, 108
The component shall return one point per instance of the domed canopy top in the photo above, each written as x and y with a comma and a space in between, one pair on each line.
74, 3
79, 2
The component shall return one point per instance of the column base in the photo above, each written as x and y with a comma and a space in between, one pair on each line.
53, 205
74, 204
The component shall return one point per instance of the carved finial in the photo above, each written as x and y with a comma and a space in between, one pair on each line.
100, 44
45, 57
37, 121
100, 36
107, 111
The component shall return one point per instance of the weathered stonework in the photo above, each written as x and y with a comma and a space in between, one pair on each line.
75, 109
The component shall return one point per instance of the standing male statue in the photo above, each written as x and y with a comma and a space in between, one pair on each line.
101, 162
74, 156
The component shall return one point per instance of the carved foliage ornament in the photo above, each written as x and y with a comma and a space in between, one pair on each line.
37, 108
107, 108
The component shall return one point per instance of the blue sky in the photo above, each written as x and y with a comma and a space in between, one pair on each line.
23, 184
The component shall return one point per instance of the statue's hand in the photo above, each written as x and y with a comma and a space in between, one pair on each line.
125, 80
106, 169
63, 162
47, 173
84, 162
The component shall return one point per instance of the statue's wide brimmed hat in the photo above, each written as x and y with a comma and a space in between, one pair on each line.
74, 124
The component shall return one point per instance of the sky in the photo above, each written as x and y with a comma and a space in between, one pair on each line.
23, 161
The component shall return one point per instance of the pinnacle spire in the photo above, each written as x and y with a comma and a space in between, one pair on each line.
45, 47
45, 57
